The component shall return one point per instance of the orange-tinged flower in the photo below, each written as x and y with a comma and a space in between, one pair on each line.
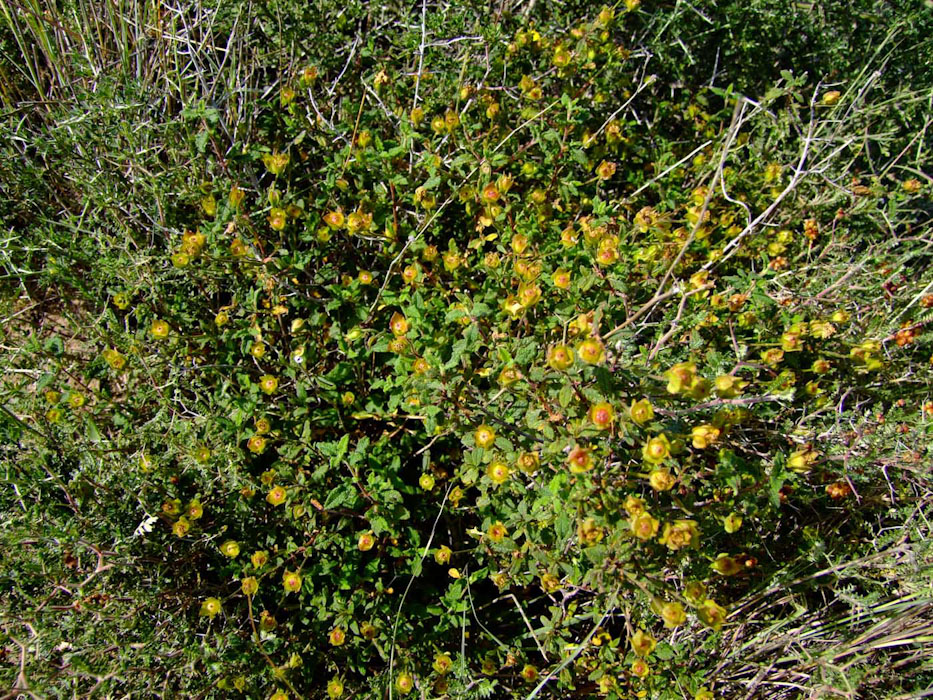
365, 541
337, 636
602, 415
497, 532
259, 558
256, 444
399, 324
580, 460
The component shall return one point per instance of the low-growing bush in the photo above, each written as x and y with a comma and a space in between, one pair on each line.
389, 353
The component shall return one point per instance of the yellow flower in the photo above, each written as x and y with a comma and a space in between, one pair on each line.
642, 411
591, 351
712, 614
159, 330
279, 695
268, 383
497, 532
442, 663
404, 683
509, 376
528, 295
605, 170
588, 532
772, 356
337, 637
661, 479
116, 360
259, 558
498, 472
560, 357
704, 435
194, 510
561, 279
728, 386
334, 219
291, 581
732, 522
657, 449
673, 614
249, 585
634, 506
640, 668
181, 527
529, 462
210, 607
276, 496
426, 482
365, 541
642, 643
484, 436
680, 534
256, 444
801, 461
442, 555
230, 549
680, 377
334, 688
726, 565
644, 526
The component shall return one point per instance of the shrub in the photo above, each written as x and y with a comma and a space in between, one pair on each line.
473, 358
